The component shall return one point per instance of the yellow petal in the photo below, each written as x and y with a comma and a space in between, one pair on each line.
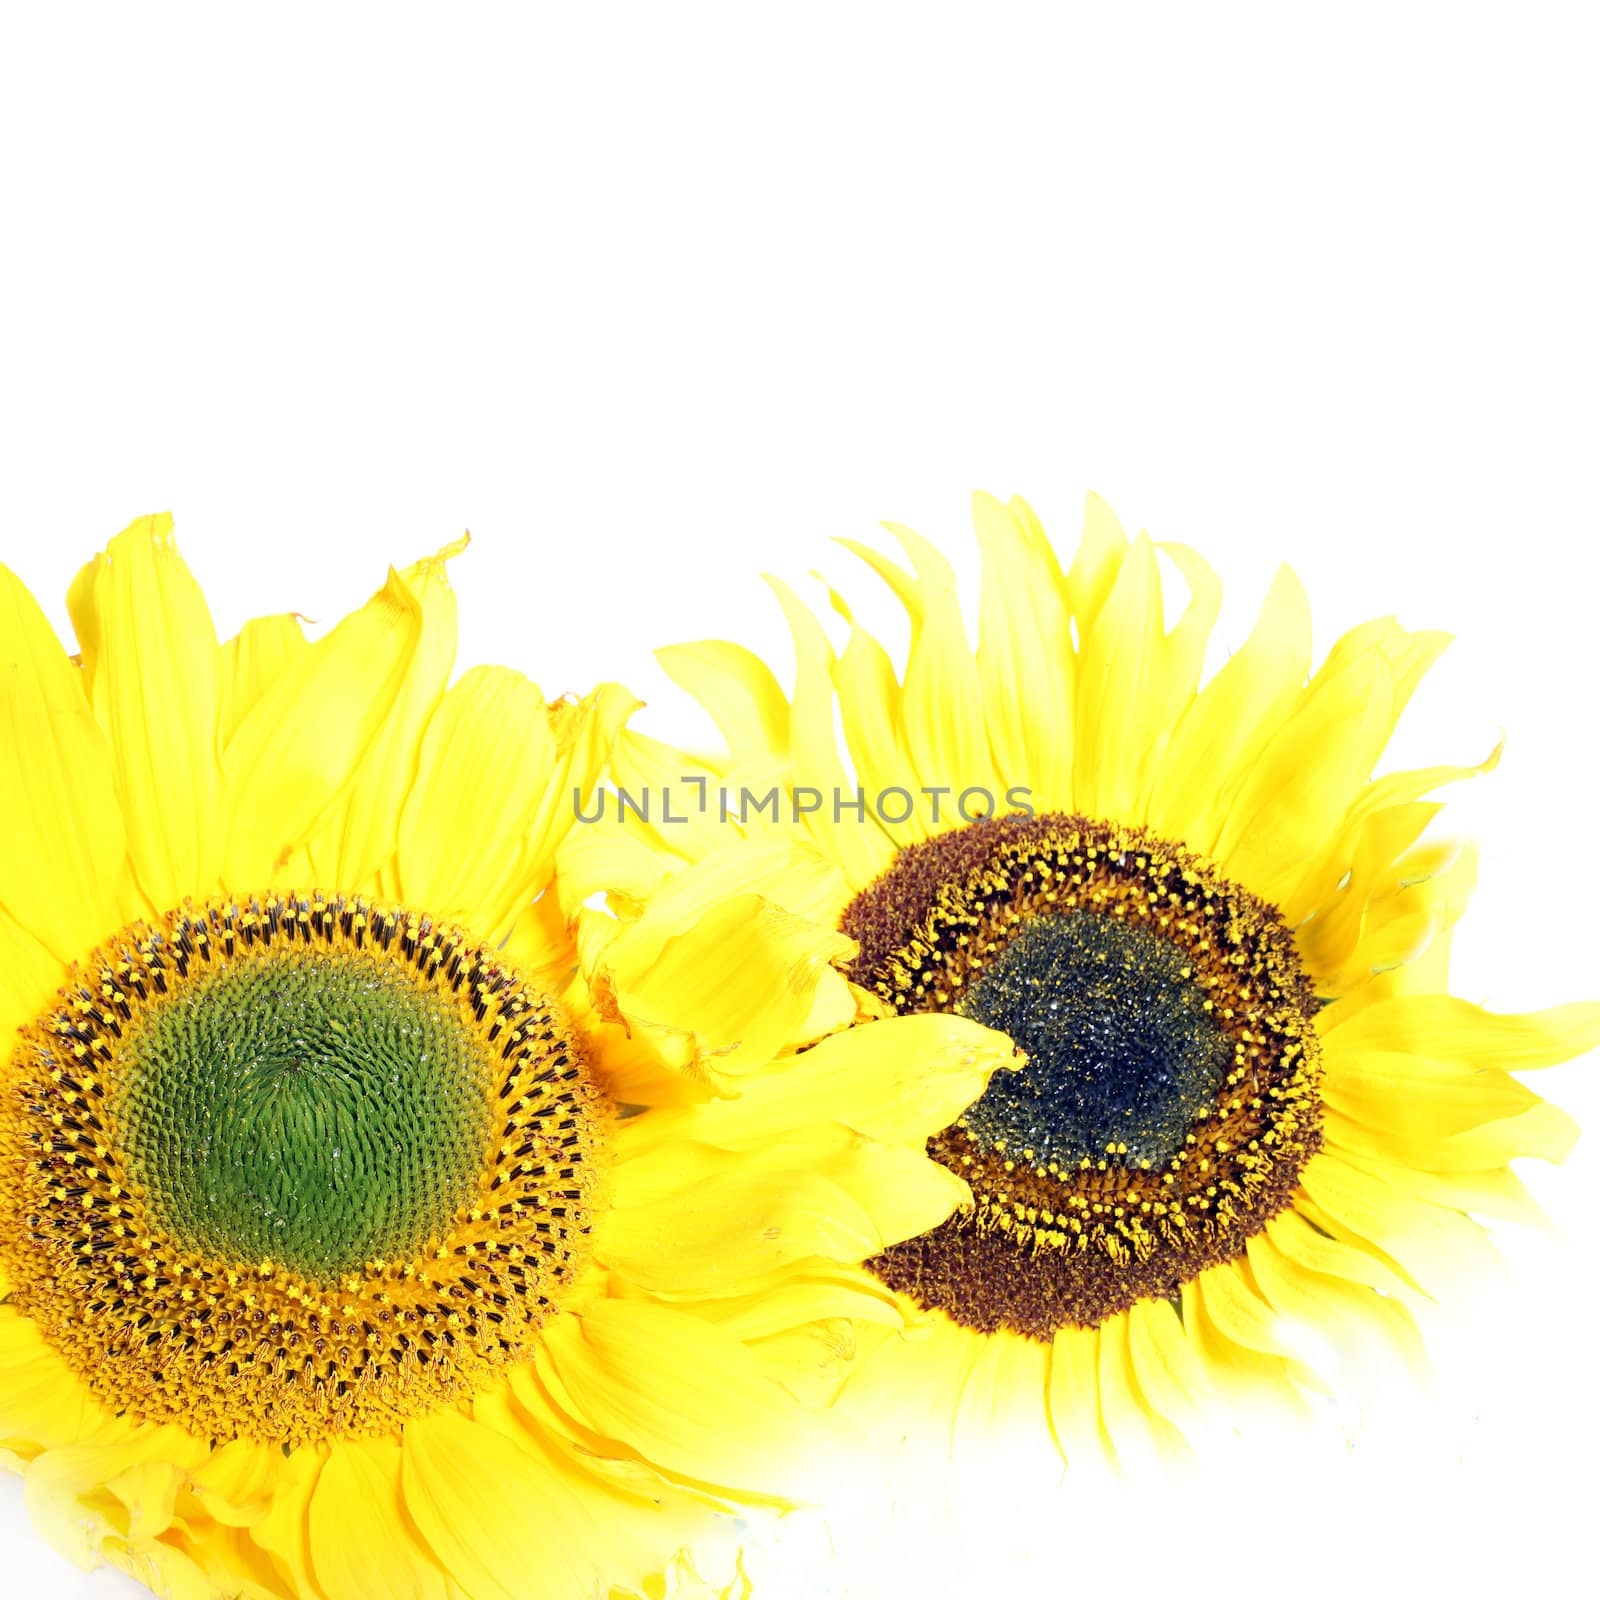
1075, 1399
1293, 1236
1409, 654
686, 1396
1096, 562
1467, 1173
261, 652
1139, 1439
460, 1476
899, 1079
1391, 796
570, 1532
355, 840
1183, 651
29, 976
43, 1402
1445, 1028
901, 1395
820, 1291
362, 1542
1436, 1249
1223, 728
300, 747
161, 1567
463, 842
746, 1217
1118, 665
63, 860
586, 732
1025, 660
284, 1532
1392, 1091
597, 859
1432, 883
156, 684
67, 1488
942, 705
1249, 1379
725, 992
1002, 1408
1329, 941
148, 1491
738, 690
1239, 1313
1169, 1374
234, 1484
1304, 781
861, 850
1360, 1329
872, 715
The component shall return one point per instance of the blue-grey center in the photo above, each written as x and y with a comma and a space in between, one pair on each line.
1122, 1054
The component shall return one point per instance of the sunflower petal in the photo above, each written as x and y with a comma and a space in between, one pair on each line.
1074, 1399
1436, 1248
901, 1080
362, 1541
262, 651
1219, 734
463, 844
718, 1220
870, 705
861, 851
156, 678
1170, 1376
1025, 659
458, 1476
300, 746
722, 991
707, 1413
63, 848
1118, 667
1414, 1095
942, 705
1445, 1028
355, 841
43, 1402
284, 1532
1301, 784
738, 690
1001, 1408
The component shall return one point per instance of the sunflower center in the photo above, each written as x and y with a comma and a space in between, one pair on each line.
315, 1108
1122, 1054
1170, 1096
294, 1167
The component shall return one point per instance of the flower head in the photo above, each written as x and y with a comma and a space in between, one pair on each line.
347, 1245
1254, 1129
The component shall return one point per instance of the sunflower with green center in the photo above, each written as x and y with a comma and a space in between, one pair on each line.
347, 1246
1254, 1128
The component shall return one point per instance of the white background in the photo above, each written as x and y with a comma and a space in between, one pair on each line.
653, 298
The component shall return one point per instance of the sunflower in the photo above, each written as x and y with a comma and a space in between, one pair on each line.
330, 1263
1254, 1129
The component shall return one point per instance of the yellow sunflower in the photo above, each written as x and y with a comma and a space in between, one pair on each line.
329, 1263
1254, 1128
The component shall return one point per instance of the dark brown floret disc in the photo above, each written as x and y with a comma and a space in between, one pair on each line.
1170, 1096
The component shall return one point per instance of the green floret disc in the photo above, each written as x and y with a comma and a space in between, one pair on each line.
315, 1109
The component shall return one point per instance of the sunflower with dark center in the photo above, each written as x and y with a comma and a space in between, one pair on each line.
1253, 1128
1170, 1097
350, 1245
